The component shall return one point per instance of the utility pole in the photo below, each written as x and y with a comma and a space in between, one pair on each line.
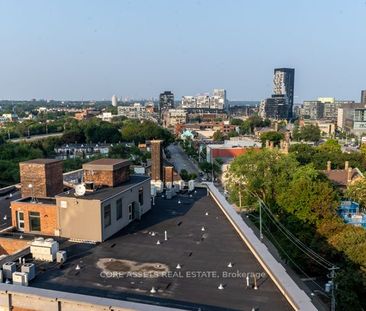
260, 221
332, 277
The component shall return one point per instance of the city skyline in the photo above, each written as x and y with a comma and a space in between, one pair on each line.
92, 50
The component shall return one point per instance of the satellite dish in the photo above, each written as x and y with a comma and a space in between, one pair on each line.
80, 190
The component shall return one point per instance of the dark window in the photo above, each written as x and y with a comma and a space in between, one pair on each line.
107, 216
141, 196
119, 209
34, 221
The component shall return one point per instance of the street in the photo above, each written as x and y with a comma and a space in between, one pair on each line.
35, 137
180, 160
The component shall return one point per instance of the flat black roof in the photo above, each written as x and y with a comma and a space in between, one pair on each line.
107, 192
195, 250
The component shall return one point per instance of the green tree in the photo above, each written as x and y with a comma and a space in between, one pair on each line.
218, 136
264, 173
273, 136
309, 196
357, 192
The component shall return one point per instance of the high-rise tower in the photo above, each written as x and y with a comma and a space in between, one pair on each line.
284, 81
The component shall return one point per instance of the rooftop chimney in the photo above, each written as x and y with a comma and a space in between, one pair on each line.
349, 175
329, 166
346, 165
107, 172
41, 178
156, 160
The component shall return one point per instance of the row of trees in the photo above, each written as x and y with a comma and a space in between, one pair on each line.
93, 131
128, 130
305, 202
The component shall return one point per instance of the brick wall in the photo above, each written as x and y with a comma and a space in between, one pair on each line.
46, 179
107, 177
10, 246
48, 216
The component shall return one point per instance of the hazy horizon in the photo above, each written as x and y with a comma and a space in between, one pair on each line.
91, 50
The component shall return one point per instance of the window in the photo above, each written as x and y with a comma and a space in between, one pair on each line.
119, 209
141, 196
34, 221
107, 216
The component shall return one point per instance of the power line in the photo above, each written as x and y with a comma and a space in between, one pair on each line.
299, 244
289, 257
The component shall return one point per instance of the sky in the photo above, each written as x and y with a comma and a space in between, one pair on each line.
76, 49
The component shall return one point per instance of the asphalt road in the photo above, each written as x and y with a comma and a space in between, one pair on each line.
35, 137
180, 160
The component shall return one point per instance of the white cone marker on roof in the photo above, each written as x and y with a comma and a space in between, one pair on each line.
178, 266
77, 267
221, 287
203, 229
206, 214
158, 242
153, 290
230, 265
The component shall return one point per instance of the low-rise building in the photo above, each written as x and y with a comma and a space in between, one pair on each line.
107, 201
172, 117
85, 151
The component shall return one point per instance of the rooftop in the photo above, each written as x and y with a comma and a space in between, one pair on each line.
106, 164
41, 161
203, 255
107, 192
340, 177
49, 201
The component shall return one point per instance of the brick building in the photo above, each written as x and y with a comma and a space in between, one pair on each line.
111, 199
35, 215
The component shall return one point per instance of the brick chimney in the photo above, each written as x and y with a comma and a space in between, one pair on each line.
156, 160
107, 172
346, 165
329, 166
349, 175
41, 178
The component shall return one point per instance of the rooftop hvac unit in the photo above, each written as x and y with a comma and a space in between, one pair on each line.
179, 184
44, 250
191, 185
30, 269
20, 278
8, 269
153, 190
169, 194
61, 256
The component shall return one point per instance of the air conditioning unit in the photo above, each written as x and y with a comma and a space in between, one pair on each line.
44, 250
20, 278
61, 256
30, 269
8, 269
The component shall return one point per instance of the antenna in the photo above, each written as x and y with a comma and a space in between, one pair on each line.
79, 190
33, 198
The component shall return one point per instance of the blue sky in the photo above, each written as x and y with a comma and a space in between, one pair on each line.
73, 49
